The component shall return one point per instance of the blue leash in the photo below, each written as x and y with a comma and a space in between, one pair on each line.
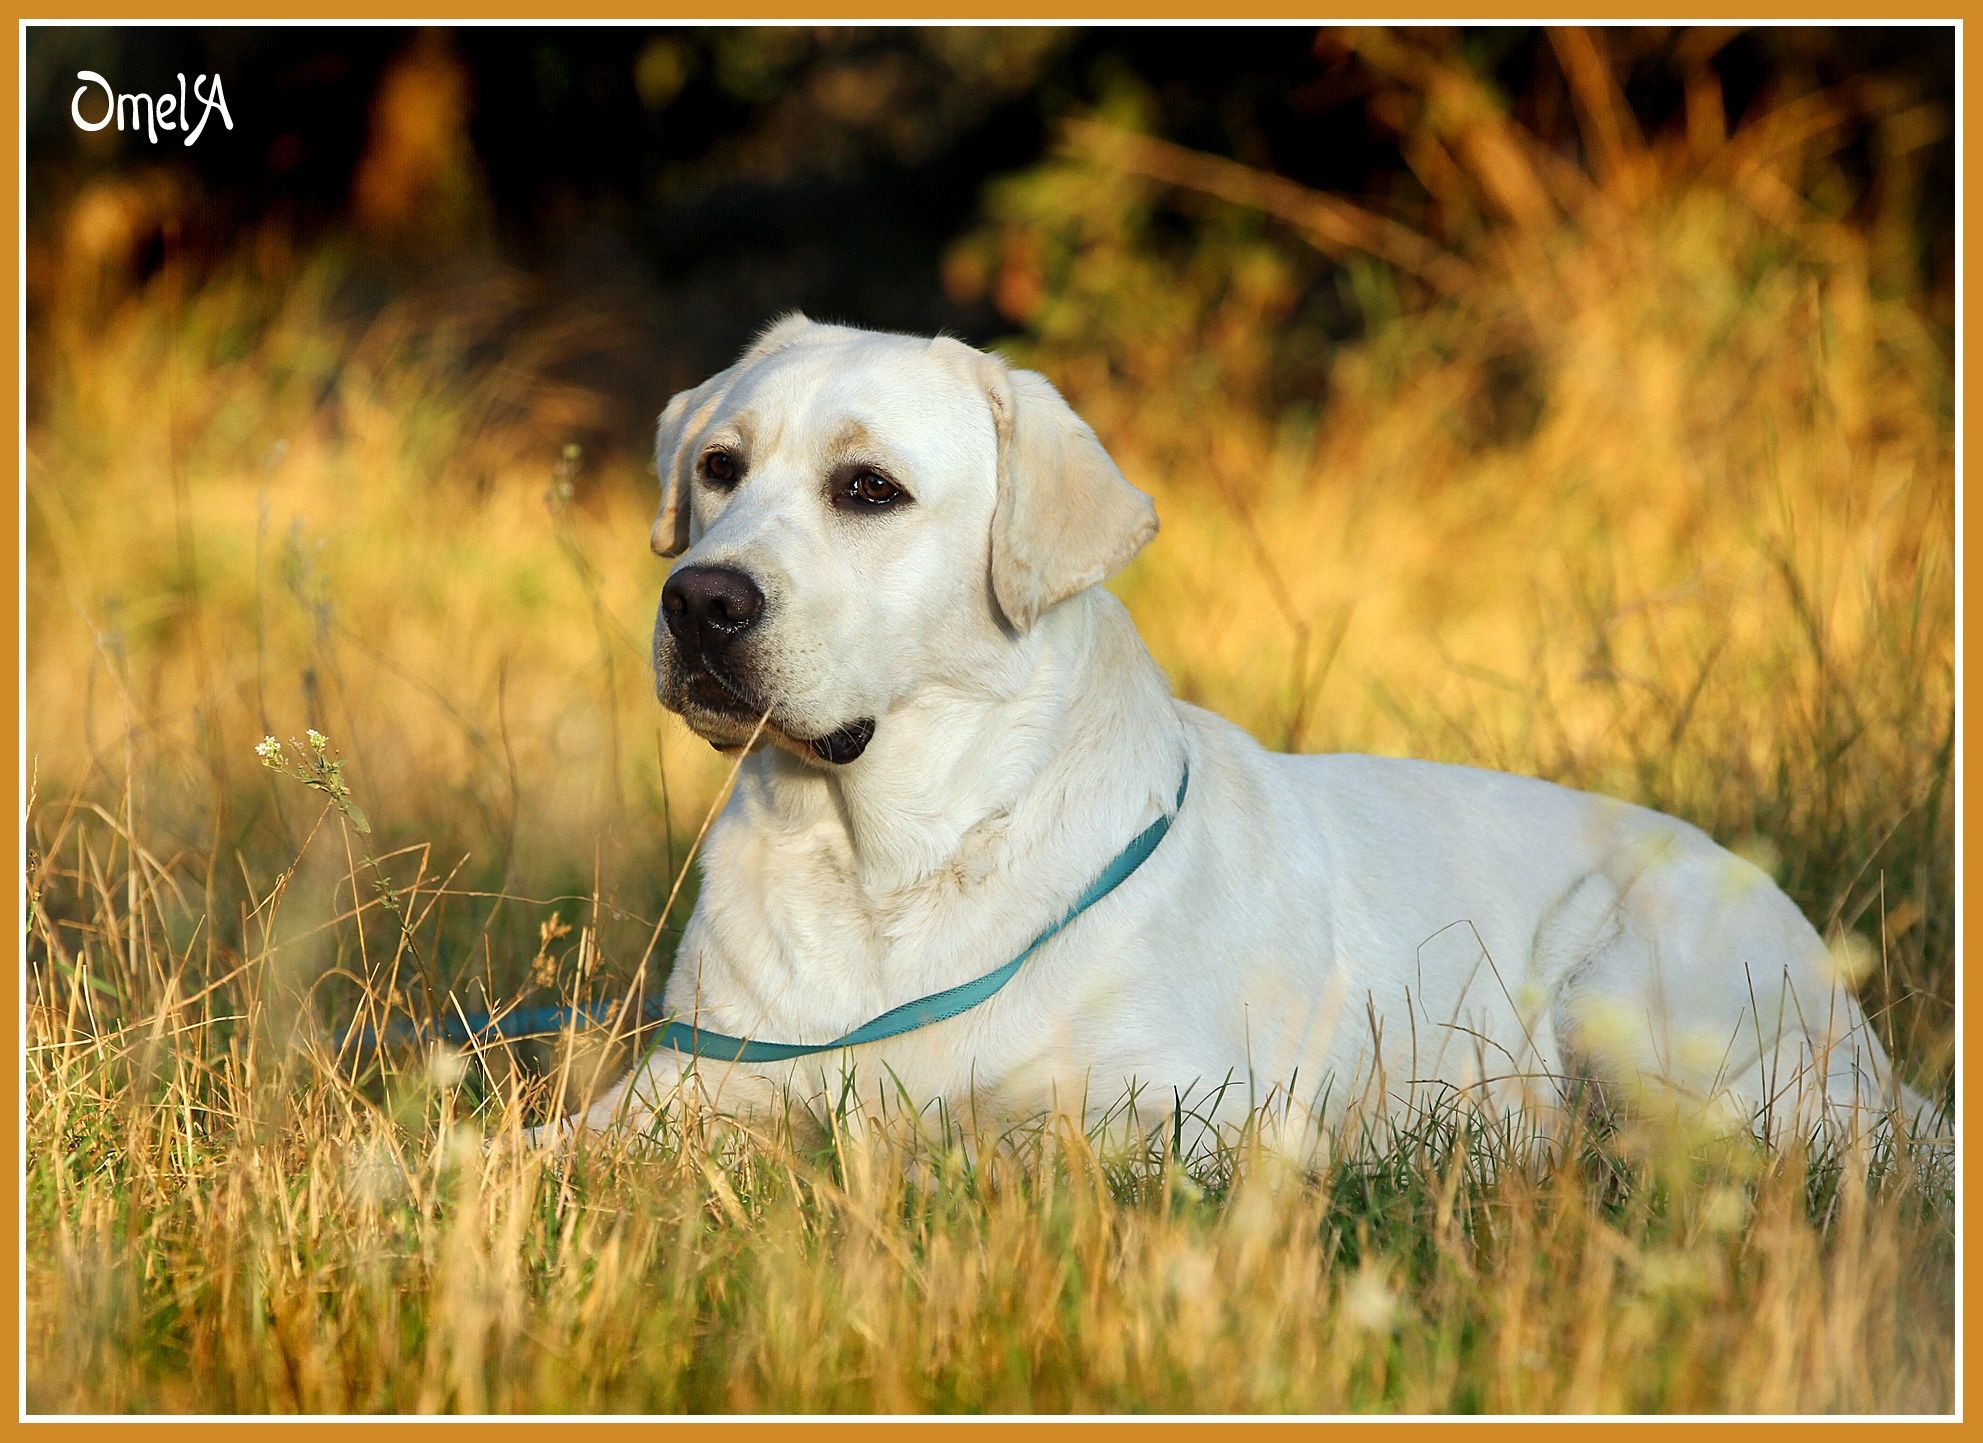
936, 1007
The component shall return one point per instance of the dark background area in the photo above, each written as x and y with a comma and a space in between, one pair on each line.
693, 183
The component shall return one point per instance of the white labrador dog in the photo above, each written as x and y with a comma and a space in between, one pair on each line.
892, 550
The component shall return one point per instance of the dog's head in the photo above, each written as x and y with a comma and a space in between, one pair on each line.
860, 517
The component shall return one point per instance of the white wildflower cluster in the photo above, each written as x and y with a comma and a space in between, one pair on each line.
311, 763
272, 755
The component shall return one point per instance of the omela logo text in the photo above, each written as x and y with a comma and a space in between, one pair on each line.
150, 113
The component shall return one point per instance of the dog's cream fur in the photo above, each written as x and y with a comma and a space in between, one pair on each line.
1321, 934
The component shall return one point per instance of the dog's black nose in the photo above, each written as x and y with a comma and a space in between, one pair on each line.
712, 603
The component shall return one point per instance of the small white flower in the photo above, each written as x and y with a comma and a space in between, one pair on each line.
1852, 957
1370, 1303
318, 741
1724, 1210
458, 1145
377, 1174
270, 751
1192, 1277
1759, 852
446, 1066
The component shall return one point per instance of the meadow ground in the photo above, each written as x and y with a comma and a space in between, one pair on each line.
1647, 489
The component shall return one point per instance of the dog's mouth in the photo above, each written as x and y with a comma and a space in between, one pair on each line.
844, 745
706, 690
725, 714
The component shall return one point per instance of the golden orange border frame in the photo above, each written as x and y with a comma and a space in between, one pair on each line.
834, 1431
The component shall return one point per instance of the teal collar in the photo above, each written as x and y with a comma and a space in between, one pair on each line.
701, 1042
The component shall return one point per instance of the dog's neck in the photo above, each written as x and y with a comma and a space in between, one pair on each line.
1085, 728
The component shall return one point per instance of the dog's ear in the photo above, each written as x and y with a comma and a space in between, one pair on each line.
671, 526
1066, 517
684, 417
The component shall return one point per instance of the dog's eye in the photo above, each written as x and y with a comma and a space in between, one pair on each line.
875, 489
867, 490
720, 467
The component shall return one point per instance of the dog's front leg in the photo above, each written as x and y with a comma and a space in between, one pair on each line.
667, 1091
640, 1102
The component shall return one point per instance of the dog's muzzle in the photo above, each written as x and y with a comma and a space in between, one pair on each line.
707, 610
